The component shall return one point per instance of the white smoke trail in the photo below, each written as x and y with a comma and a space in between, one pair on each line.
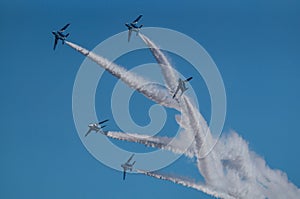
245, 174
171, 144
195, 123
231, 165
209, 165
188, 183
170, 75
150, 90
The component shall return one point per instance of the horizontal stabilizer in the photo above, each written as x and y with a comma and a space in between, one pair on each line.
128, 26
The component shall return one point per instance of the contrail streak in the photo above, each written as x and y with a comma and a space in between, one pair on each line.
171, 144
247, 174
150, 90
209, 165
170, 75
230, 166
231, 169
195, 122
187, 183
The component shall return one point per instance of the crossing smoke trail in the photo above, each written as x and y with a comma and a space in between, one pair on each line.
138, 83
150, 90
187, 183
210, 166
165, 143
168, 72
230, 166
247, 174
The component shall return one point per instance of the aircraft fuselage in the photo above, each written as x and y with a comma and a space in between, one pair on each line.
132, 27
127, 167
59, 35
94, 127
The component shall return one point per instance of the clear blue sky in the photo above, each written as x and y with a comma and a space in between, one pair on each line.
254, 44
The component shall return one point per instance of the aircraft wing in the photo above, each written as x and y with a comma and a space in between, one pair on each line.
55, 43
129, 34
124, 174
64, 28
102, 122
177, 89
88, 132
128, 161
188, 79
137, 19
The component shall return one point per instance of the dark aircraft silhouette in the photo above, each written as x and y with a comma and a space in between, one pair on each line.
60, 36
133, 27
96, 127
127, 166
181, 86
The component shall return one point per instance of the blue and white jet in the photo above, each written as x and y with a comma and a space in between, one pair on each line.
133, 27
181, 86
60, 36
127, 166
96, 127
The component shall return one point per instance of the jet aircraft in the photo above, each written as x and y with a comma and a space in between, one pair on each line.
133, 27
181, 86
127, 166
96, 127
60, 36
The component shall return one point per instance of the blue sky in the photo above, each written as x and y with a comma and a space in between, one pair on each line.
254, 44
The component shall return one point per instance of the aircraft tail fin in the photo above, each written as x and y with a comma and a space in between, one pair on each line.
133, 163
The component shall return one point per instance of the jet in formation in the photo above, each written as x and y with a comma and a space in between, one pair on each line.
127, 166
96, 127
181, 86
59, 35
133, 27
